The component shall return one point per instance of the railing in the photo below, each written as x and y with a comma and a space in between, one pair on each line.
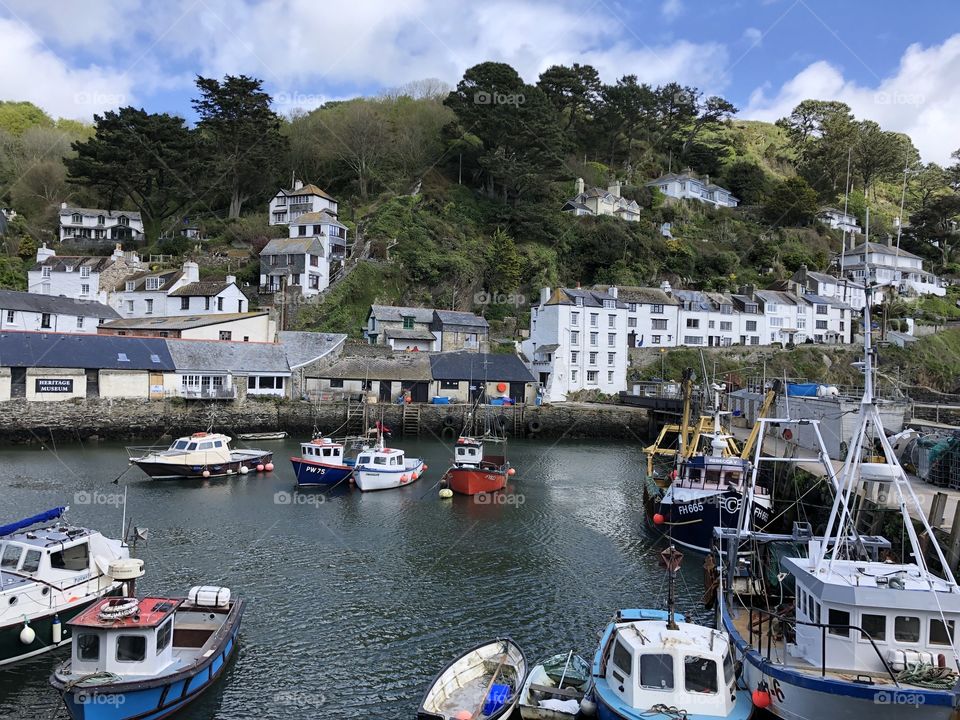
223, 393
786, 621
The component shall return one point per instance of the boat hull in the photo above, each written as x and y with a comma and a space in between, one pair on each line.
172, 471
318, 475
467, 481
370, 480
154, 698
691, 516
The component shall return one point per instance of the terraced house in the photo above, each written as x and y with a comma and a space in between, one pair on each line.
78, 223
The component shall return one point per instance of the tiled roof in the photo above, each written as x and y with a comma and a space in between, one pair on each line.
881, 249
203, 288
591, 298
396, 313
293, 246
309, 189
139, 280
94, 212
317, 217
59, 263
241, 358
55, 304
179, 322
406, 366
401, 334
633, 294
492, 367
455, 317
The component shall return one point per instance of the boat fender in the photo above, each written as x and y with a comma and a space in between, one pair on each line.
56, 630
534, 426
449, 421
446, 493
27, 635
448, 432
206, 473
244, 469
260, 467
761, 696
511, 472
788, 434
268, 467
895, 583
588, 708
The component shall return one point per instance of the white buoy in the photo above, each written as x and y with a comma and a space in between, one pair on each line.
446, 493
244, 469
56, 630
588, 708
27, 635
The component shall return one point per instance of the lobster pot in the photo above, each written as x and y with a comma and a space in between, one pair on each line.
209, 596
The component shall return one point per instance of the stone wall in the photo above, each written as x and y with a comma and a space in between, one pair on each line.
149, 420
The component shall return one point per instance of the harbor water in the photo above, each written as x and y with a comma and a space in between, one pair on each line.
356, 600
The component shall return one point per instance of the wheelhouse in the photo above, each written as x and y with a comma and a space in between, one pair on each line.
468, 453
382, 459
322, 451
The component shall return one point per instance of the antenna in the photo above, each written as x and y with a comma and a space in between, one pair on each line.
846, 198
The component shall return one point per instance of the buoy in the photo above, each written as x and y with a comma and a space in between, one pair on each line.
501, 387
424, 466
244, 469
658, 519
27, 635
761, 698
587, 708
463, 715
446, 493
56, 630
414, 476
511, 472
268, 467
403, 478
206, 473
260, 467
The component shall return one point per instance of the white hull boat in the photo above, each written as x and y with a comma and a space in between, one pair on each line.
545, 696
383, 468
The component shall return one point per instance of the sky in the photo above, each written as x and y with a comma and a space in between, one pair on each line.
892, 61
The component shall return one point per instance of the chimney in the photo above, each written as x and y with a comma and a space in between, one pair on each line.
614, 189
579, 186
231, 279
297, 184
63, 206
665, 287
613, 291
706, 179
191, 271
43, 252
889, 240
544, 295
117, 252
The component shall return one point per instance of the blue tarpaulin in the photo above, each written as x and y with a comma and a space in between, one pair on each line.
802, 389
27, 522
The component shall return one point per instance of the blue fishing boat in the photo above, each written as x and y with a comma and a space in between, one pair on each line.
146, 659
322, 463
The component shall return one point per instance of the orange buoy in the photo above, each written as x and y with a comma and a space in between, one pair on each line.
260, 467
761, 698
511, 472
501, 387
658, 519
268, 467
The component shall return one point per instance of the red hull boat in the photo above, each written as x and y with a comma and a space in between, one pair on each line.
489, 477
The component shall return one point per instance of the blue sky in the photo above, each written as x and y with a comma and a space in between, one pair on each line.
893, 62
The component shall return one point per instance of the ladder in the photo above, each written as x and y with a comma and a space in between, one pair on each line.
411, 419
356, 417
518, 427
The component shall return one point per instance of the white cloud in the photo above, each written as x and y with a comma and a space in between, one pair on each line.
753, 36
921, 98
671, 9
31, 71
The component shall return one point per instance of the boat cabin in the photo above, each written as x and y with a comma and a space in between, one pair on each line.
136, 644
54, 554
647, 664
856, 601
713, 472
381, 458
322, 451
201, 447
468, 452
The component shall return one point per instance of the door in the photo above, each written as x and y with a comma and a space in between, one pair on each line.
419, 392
476, 390
93, 383
156, 386
386, 391
518, 391
18, 382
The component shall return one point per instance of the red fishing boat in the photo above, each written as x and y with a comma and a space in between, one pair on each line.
473, 471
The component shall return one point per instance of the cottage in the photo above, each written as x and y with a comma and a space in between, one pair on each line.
288, 205
113, 226
839, 220
384, 374
248, 327
32, 311
652, 315
81, 277
460, 331
689, 186
599, 201
466, 376
841, 290
887, 265
206, 370
401, 328
176, 292
307, 354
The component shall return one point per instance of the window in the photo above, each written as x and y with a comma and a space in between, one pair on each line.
939, 634
631, 307
594, 319
750, 307
164, 634
693, 323
631, 322
656, 309
123, 220
76, 218
609, 303
875, 626
79, 321
335, 383
185, 303
574, 356
711, 324
840, 617
821, 324
579, 302
131, 648
31, 562
776, 322
266, 383
129, 306
314, 261
593, 358
692, 340
72, 558
149, 304
621, 658
656, 671
153, 283
726, 326
302, 230
226, 335
699, 674
751, 325
220, 302
130, 285
591, 376
801, 323
11, 315
659, 324
11, 557
609, 376
594, 338
906, 629
251, 383
88, 647
771, 307
45, 320
655, 339
575, 318
611, 339
573, 376
574, 337
611, 358
46, 272
821, 309
611, 321
407, 322
206, 303
449, 384
726, 309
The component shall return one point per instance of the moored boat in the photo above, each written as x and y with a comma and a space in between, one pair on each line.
383, 468
146, 659
200, 455
321, 463
555, 688
484, 683
280, 435
474, 470
50, 574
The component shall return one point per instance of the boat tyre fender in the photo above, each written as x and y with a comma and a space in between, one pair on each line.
501, 423
534, 426
449, 421
448, 432
120, 610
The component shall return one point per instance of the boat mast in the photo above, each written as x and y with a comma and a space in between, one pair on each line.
671, 559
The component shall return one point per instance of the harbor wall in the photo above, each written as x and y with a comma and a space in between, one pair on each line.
80, 419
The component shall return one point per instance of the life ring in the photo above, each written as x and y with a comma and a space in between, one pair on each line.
119, 610
534, 426
788, 434
448, 433
449, 421
199, 434
501, 387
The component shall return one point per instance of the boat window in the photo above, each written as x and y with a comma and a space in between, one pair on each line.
71, 558
11, 556
728, 673
906, 629
841, 618
88, 646
218, 443
713, 477
192, 446
875, 626
816, 612
31, 562
326, 452
656, 671
699, 674
939, 634
179, 445
363, 459
379, 461
163, 636
131, 648
206, 446
621, 658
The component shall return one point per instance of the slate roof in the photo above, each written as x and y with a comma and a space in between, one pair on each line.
94, 352
413, 334
309, 189
825, 278
178, 322
574, 205
94, 212
302, 348
396, 313
777, 296
646, 295
203, 288
60, 263
490, 367
591, 298
139, 280
696, 300
293, 246
814, 299
455, 317
407, 366
54, 304
219, 356
313, 218
881, 249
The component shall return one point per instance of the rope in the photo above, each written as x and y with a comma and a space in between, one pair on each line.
665, 710
97, 678
927, 676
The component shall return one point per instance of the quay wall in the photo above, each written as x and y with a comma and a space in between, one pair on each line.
149, 420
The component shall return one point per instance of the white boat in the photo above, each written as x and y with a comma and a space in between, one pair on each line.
482, 684
383, 468
555, 688
852, 633
200, 455
262, 435
50, 574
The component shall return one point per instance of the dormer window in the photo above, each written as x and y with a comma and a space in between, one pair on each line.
123, 220
69, 268
130, 285
100, 219
153, 283
579, 302
84, 271
76, 218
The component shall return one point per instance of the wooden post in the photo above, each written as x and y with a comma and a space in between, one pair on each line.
954, 545
937, 508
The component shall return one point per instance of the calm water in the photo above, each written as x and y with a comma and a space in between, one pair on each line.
356, 600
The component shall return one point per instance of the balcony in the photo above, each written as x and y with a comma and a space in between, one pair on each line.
209, 393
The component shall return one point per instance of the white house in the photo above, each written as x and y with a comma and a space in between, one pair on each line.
689, 186
706, 319
83, 277
750, 320
653, 315
891, 266
288, 205
839, 220
828, 319
842, 290
597, 201
78, 223
578, 341
166, 293
246, 327
33, 312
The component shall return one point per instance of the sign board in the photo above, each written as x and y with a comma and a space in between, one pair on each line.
54, 385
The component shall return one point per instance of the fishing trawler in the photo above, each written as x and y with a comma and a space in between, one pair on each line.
50, 574
322, 463
383, 468
835, 626
200, 455
474, 470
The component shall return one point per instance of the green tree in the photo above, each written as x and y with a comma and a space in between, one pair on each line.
747, 181
791, 202
934, 227
18, 117
878, 155
504, 269
821, 133
13, 275
243, 135
574, 91
149, 160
